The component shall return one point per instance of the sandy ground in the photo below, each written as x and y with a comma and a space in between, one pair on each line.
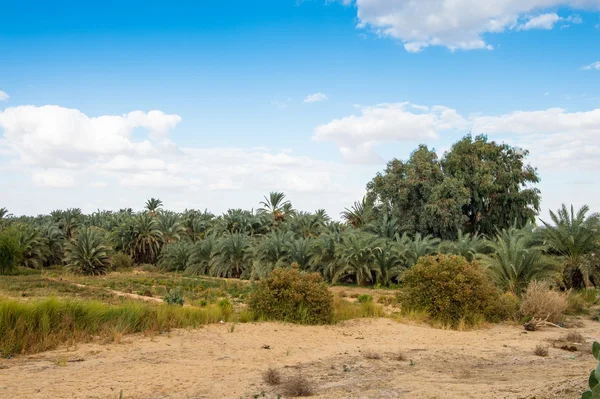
213, 362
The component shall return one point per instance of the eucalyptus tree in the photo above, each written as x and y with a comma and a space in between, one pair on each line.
576, 237
517, 259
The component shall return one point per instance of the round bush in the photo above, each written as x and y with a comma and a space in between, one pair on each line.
291, 296
449, 288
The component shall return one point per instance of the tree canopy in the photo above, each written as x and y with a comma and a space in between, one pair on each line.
478, 186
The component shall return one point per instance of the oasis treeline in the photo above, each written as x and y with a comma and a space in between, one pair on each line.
478, 201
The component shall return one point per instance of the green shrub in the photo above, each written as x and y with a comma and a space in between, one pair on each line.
449, 288
289, 295
364, 298
506, 307
121, 261
173, 297
594, 378
10, 250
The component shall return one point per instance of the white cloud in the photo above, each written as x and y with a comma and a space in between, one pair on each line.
315, 98
593, 66
543, 21
355, 135
60, 147
556, 137
3, 96
459, 24
53, 178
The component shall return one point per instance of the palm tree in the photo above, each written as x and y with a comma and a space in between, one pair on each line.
273, 251
576, 237
389, 259
34, 246
516, 260
232, 257
356, 254
68, 221
88, 253
177, 256
153, 205
301, 252
358, 214
325, 260
55, 242
146, 239
308, 224
4, 213
466, 245
385, 227
276, 205
415, 248
202, 253
171, 226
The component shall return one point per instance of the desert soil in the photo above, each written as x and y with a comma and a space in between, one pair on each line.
213, 362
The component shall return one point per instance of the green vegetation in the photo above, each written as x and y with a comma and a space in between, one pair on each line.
455, 233
594, 378
41, 325
289, 295
450, 289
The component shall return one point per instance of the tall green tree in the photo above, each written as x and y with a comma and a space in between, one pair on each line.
153, 205
277, 206
498, 181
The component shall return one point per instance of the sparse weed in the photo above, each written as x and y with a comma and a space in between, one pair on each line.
372, 355
541, 350
272, 376
298, 386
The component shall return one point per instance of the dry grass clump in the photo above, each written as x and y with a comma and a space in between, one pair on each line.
272, 376
298, 385
342, 294
541, 302
574, 336
372, 355
541, 350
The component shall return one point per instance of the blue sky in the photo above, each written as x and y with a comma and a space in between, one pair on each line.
228, 82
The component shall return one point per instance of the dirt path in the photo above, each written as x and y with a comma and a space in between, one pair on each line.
114, 292
213, 362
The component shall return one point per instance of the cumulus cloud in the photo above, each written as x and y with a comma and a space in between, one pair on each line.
61, 147
355, 135
544, 21
593, 66
315, 98
3, 96
459, 24
556, 137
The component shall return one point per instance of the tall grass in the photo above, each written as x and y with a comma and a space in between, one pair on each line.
345, 310
30, 327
